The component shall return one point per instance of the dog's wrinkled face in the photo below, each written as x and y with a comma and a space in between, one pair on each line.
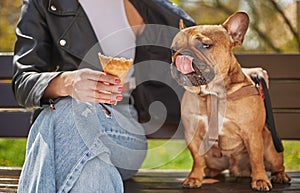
202, 52
191, 65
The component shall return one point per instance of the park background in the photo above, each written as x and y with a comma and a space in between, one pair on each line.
274, 28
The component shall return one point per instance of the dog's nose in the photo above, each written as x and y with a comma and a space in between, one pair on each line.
187, 52
173, 51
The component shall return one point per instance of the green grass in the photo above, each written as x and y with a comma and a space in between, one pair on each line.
162, 154
12, 152
292, 155
167, 154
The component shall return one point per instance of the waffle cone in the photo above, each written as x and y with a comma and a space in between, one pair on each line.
115, 66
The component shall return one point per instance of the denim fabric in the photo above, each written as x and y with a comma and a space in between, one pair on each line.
63, 145
102, 172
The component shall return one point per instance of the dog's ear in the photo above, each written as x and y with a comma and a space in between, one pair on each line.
181, 24
237, 25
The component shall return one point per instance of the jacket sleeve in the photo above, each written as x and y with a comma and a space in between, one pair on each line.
32, 66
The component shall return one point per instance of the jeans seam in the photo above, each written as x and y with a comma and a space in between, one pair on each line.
72, 176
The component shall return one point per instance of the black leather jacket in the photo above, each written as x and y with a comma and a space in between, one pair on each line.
55, 36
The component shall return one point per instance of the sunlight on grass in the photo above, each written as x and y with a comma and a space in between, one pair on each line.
12, 152
292, 155
167, 154
162, 154
167, 159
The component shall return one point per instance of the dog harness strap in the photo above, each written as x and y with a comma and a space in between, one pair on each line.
243, 92
211, 136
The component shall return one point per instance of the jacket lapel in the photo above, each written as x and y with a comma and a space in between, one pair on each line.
78, 38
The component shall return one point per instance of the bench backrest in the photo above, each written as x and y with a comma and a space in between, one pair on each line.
284, 71
14, 120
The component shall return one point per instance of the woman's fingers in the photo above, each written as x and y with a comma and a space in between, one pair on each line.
263, 73
102, 86
94, 86
106, 97
102, 77
259, 71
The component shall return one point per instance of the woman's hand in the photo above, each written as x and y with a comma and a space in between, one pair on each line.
86, 85
259, 71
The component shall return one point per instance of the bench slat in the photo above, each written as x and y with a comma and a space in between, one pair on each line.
286, 121
279, 66
272, 62
5, 66
287, 125
170, 181
17, 125
7, 98
152, 181
285, 94
14, 124
167, 131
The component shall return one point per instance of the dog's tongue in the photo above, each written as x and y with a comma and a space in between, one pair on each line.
184, 64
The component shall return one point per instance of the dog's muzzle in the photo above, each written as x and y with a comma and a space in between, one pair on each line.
189, 70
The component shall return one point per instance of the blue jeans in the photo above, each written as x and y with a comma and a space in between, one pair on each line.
80, 147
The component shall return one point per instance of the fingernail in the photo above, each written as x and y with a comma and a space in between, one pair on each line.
117, 81
120, 89
119, 98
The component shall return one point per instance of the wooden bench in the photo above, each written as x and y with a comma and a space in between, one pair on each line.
284, 71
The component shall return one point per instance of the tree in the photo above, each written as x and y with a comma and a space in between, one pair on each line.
273, 25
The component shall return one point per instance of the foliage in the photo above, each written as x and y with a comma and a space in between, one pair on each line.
9, 14
292, 155
273, 26
273, 22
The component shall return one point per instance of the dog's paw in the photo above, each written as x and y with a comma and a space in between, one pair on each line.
192, 183
281, 178
261, 185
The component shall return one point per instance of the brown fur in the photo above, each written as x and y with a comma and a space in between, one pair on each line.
244, 144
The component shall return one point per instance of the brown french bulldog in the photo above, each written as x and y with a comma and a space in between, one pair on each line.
222, 110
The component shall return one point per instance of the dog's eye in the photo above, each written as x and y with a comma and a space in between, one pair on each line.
206, 46
202, 46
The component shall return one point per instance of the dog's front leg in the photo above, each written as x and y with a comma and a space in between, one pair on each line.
195, 178
255, 147
194, 130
